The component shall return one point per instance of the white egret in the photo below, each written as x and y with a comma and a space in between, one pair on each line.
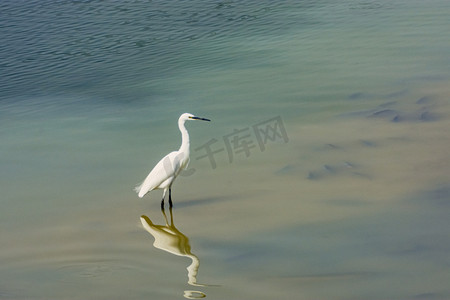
167, 169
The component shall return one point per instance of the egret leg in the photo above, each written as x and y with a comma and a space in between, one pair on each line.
164, 196
170, 197
171, 216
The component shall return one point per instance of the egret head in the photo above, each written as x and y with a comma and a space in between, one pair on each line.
188, 116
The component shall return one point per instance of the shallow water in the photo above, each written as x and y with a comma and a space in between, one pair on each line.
329, 175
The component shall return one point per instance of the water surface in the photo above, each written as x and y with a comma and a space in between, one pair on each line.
344, 194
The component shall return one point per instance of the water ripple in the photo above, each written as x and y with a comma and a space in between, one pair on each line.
51, 47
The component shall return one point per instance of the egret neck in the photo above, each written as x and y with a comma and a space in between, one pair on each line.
184, 137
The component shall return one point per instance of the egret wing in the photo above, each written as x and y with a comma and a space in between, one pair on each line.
163, 170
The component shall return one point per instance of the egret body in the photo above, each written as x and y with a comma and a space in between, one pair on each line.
167, 169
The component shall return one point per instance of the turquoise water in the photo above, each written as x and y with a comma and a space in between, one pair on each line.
348, 199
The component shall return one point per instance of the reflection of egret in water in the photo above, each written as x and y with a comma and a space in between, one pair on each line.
170, 239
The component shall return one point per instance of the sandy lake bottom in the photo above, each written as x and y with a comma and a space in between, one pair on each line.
352, 208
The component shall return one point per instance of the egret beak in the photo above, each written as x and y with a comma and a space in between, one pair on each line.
201, 119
